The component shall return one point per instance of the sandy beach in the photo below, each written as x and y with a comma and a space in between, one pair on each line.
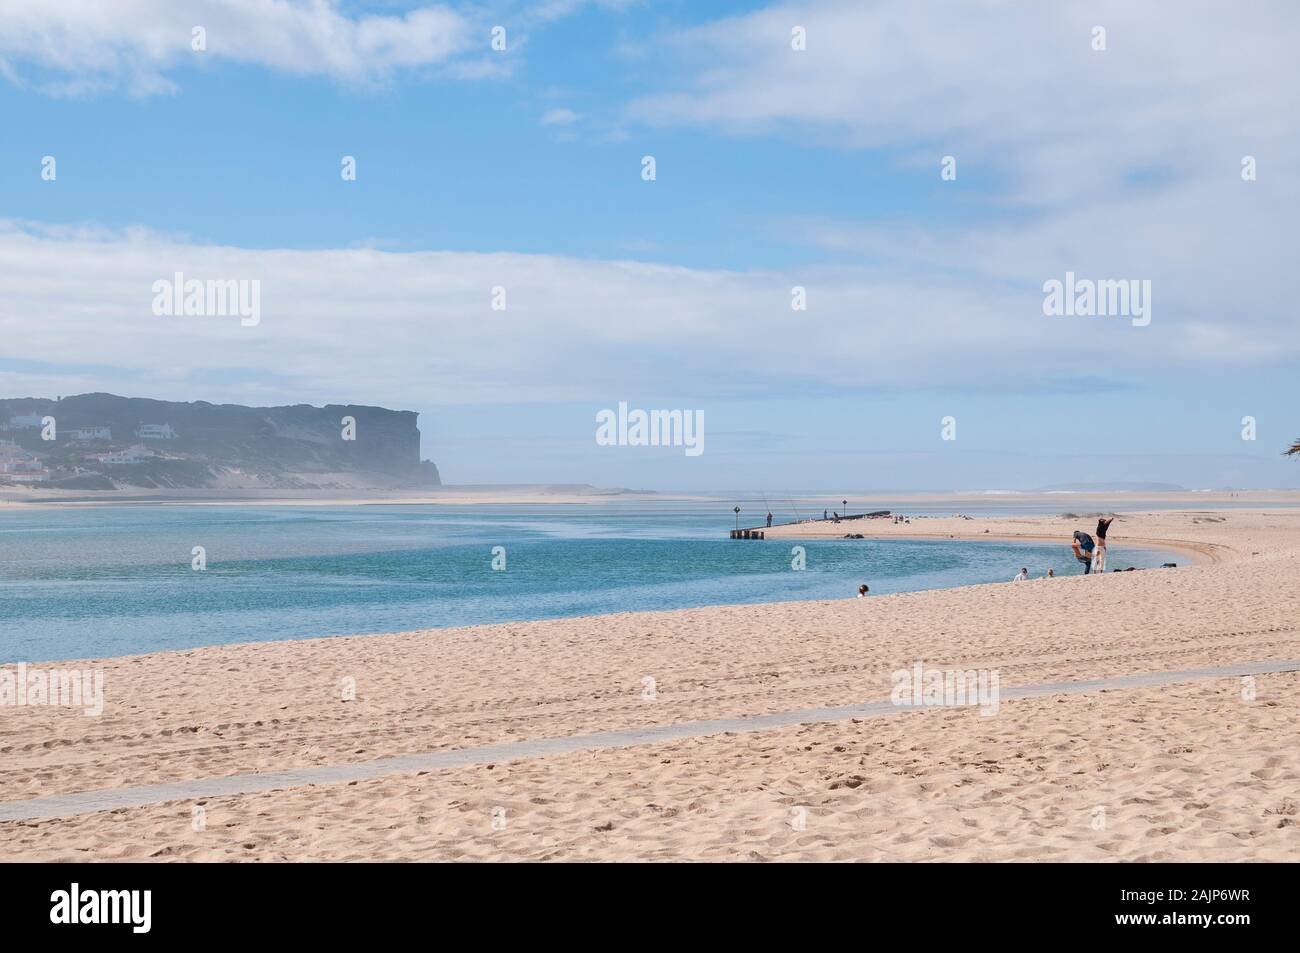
1203, 769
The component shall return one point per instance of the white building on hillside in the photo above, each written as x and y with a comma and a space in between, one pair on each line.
156, 432
90, 433
25, 421
24, 472
125, 457
19, 466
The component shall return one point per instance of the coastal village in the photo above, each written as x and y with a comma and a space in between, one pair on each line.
34, 450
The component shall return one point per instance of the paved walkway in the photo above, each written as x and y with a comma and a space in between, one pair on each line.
86, 802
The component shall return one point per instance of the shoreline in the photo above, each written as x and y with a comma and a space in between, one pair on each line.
1197, 770
1198, 553
1175, 526
526, 494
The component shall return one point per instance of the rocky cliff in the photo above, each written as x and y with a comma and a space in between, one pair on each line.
101, 441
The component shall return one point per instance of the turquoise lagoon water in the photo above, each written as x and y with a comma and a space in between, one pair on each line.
104, 581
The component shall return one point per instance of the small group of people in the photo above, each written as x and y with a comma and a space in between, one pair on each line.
1089, 552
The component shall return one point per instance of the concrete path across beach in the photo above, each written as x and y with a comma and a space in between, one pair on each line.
86, 802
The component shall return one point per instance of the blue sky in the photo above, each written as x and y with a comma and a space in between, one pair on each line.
249, 157
775, 168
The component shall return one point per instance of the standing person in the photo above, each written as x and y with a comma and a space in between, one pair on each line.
823, 515
1083, 546
1099, 561
769, 520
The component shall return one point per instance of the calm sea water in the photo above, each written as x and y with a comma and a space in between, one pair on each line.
96, 582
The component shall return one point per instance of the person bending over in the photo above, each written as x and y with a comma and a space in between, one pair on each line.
1083, 547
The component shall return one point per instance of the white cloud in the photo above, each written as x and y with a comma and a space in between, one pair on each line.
559, 117
1015, 89
1117, 164
79, 46
415, 329
1123, 164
